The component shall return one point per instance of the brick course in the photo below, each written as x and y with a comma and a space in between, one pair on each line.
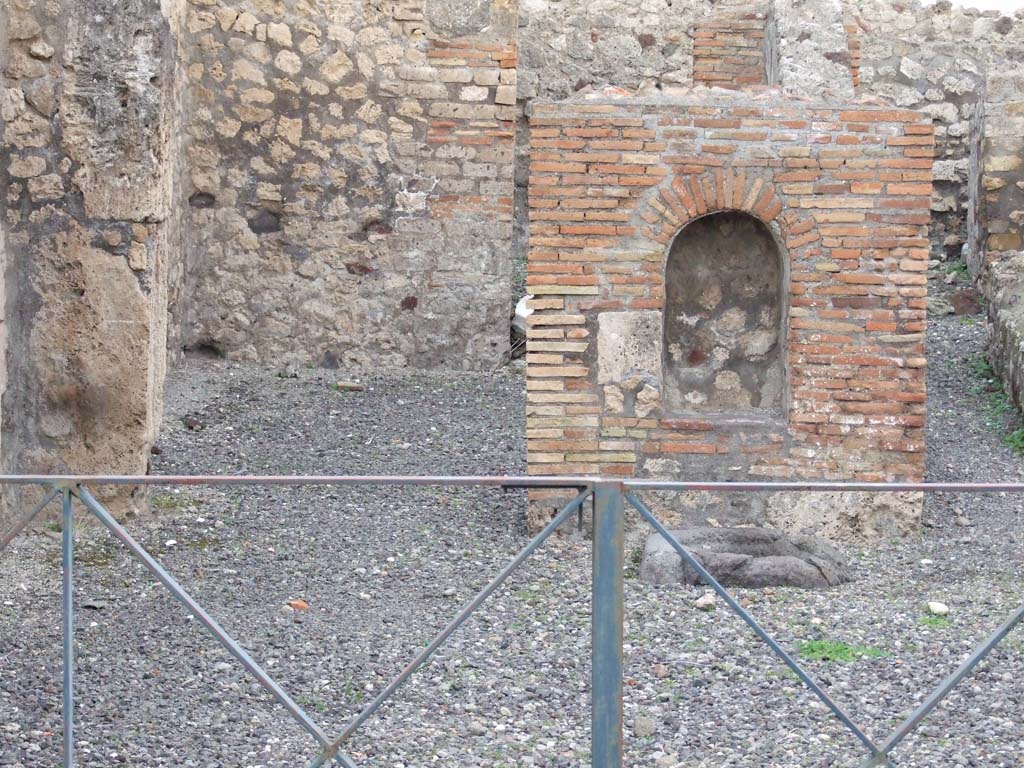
846, 191
729, 47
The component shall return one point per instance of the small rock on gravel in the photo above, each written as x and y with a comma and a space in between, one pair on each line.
705, 602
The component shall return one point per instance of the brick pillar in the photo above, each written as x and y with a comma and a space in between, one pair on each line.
844, 195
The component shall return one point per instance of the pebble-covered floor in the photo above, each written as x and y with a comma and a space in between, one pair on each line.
382, 569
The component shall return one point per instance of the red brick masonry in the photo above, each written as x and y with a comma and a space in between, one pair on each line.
845, 190
729, 49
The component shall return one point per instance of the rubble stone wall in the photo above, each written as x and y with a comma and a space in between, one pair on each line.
936, 59
1000, 167
997, 229
350, 198
4, 324
846, 193
724, 302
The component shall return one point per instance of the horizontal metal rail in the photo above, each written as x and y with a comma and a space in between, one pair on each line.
505, 481
609, 495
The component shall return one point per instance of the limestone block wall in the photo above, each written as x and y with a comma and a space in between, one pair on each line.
844, 192
85, 163
350, 198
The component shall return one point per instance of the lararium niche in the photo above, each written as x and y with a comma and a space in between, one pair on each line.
731, 286
722, 343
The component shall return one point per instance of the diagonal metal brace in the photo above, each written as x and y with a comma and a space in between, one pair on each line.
331, 749
12, 534
211, 624
752, 623
947, 685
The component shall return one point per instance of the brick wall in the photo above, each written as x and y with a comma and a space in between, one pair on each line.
846, 193
853, 41
478, 118
729, 47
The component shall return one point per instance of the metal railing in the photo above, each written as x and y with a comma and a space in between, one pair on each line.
609, 497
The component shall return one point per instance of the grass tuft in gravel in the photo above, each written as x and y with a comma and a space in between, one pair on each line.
835, 650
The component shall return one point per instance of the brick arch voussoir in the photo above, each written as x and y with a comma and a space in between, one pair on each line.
684, 198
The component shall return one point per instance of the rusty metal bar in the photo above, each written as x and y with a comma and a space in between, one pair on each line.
764, 486
606, 627
453, 625
507, 481
12, 534
476, 481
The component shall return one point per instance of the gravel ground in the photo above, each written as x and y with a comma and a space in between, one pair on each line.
383, 569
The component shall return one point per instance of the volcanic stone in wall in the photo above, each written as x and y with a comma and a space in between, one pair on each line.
350, 171
722, 319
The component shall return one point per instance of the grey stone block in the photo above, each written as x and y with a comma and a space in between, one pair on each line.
745, 557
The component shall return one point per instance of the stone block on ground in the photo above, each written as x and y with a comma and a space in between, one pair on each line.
745, 557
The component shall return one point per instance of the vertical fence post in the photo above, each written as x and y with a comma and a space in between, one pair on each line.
606, 637
68, 561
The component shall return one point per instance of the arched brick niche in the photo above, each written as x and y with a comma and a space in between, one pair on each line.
723, 324
638, 205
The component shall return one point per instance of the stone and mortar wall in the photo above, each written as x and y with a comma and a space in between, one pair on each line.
936, 59
813, 49
3, 253
999, 165
931, 58
567, 45
845, 191
88, 103
724, 302
351, 182
996, 255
